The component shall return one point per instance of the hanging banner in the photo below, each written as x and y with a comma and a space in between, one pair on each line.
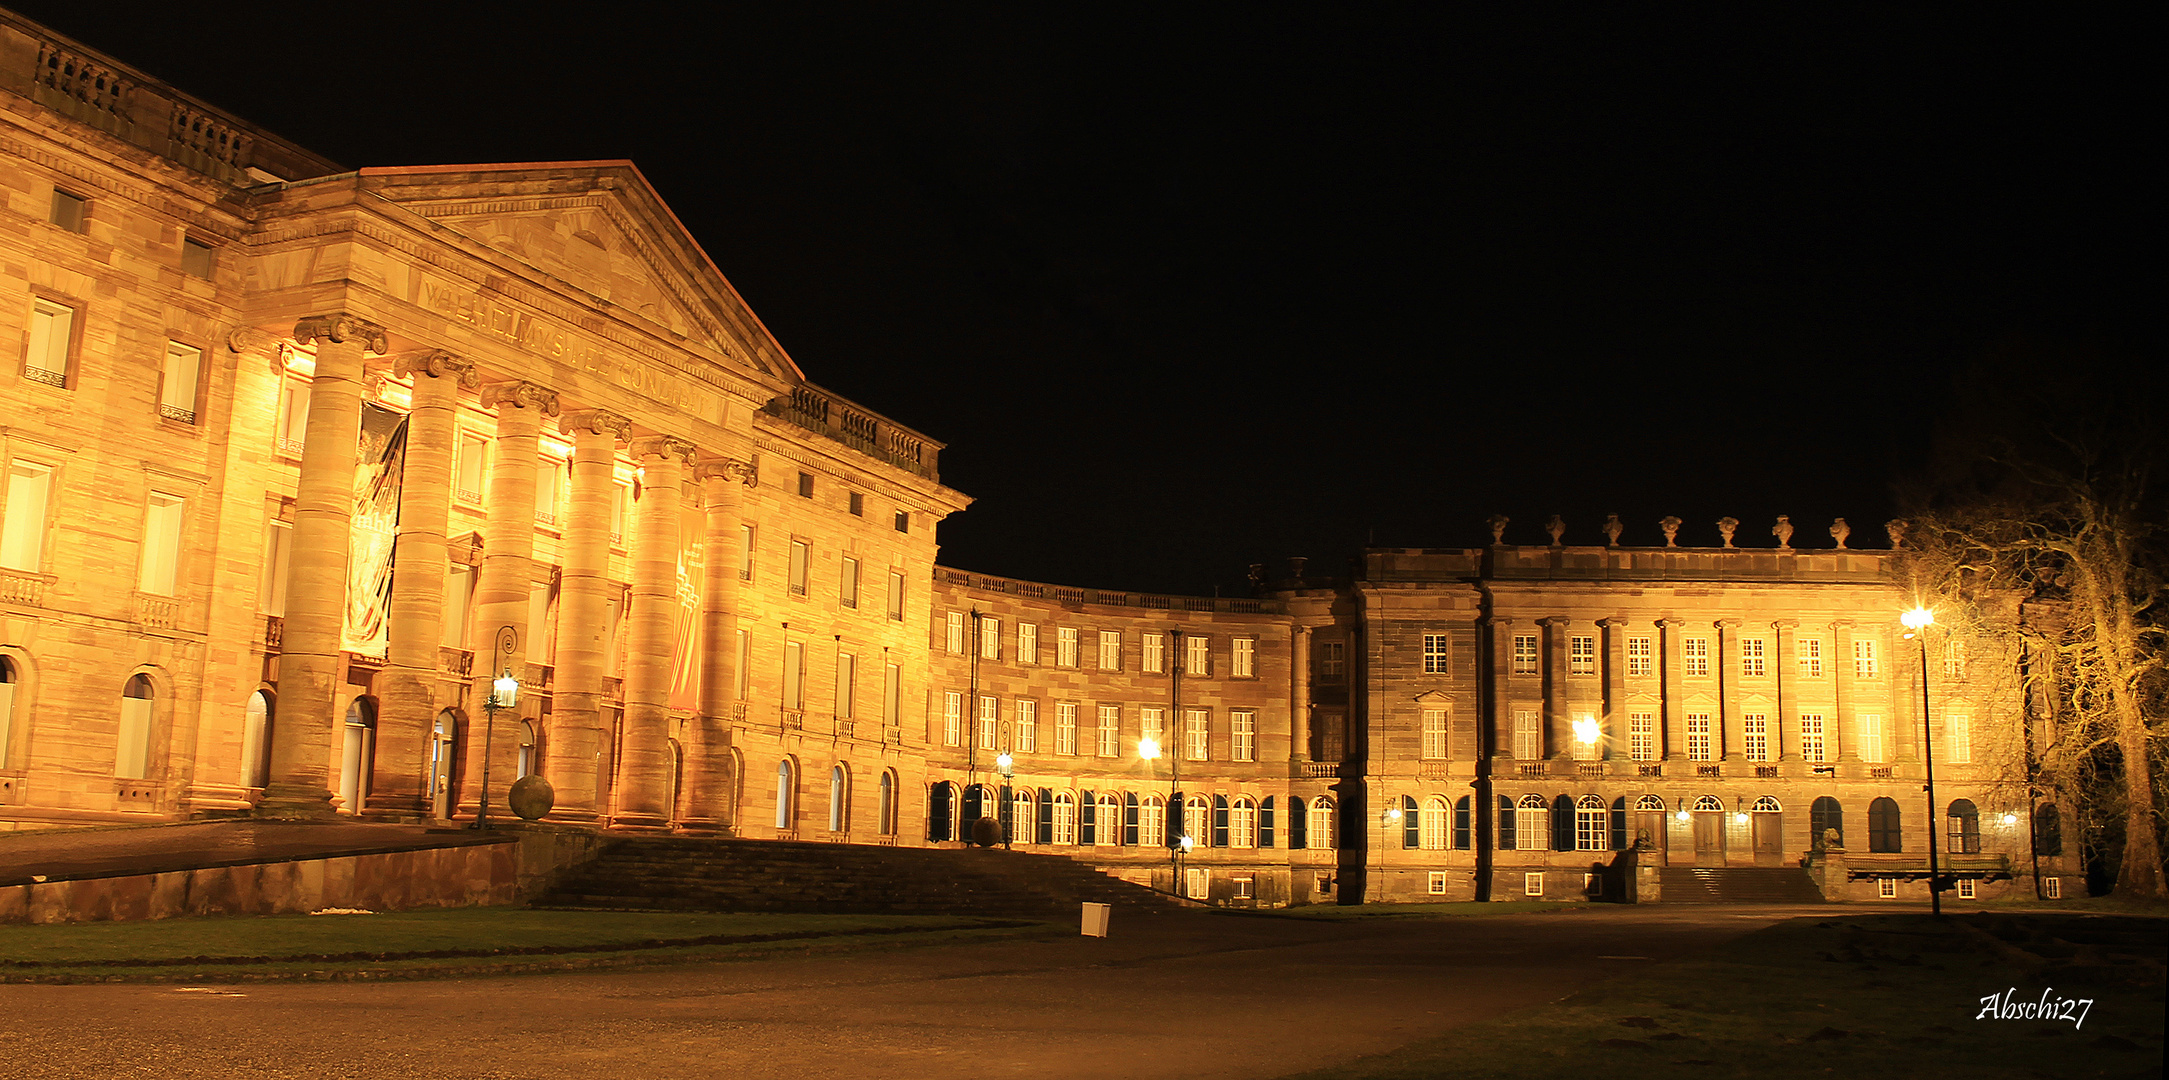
379, 467
685, 634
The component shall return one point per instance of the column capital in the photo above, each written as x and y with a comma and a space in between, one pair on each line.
595, 422
1671, 623
1556, 622
1785, 624
436, 363
1727, 624
342, 327
1841, 624
1615, 622
648, 446
713, 467
520, 395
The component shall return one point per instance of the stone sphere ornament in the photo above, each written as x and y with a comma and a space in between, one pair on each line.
531, 797
986, 833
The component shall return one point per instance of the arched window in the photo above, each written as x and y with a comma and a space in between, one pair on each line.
1965, 828
1648, 803
132, 750
1410, 817
527, 761
360, 751
939, 800
1243, 823
888, 804
839, 799
1298, 824
785, 790
1509, 832
1197, 820
1065, 818
1767, 805
1709, 804
1088, 819
1435, 823
255, 740
1824, 817
1321, 831
1152, 822
975, 807
2048, 831
1023, 811
1592, 827
1108, 828
8, 681
1883, 826
1532, 824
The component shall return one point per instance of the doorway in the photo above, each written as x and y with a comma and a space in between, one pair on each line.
1767, 828
358, 761
443, 764
1709, 831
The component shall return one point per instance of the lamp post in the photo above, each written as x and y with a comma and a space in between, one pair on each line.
1004, 815
1917, 622
504, 694
1178, 822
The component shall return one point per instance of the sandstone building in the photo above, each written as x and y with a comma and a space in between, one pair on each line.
359, 442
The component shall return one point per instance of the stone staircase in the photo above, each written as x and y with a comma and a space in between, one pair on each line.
1738, 885
697, 874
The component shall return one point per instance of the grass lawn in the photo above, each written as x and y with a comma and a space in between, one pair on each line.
501, 937
1335, 912
1865, 995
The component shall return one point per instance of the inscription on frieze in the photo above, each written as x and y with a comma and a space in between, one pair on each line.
545, 338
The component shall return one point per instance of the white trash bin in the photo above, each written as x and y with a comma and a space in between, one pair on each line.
1095, 919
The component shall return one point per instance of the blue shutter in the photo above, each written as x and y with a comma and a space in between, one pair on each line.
1265, 823
1298, 823
1220, 821
1046, 816
1129, 818
1087, 819
1411, 824
1619, 824
1562, 823
1461, 824
1506, 823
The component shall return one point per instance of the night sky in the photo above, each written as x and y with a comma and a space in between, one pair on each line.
1189, 290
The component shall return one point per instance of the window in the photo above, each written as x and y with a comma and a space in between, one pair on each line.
1154, 656
196, 259
1437, 883
1532, 824
888, 804
1524, 654
177, 382
1968, 889
1027, 643
1242, 824
458, 597
1581, 655
1695, 652
1321, 824
990, 638
956, 633
1197, 820
1109, 820
794, 675
892, 694
1864, 658
1592, 828
748, 543
903, 521
1245, 886
1152, 724
952, 718
1642, 736
1065, 728
1528, 735
785, 790
1959, 729
1756, 728
1825, 816
1886, 888
473, 465
805, 485
2052, 888
22, 532
857, 504
1638, 656
1243, 727
839, 799
271, 590
990, 722
1431, 830
847, 584
1811, 737
621, 496
1332, 660
1811, 658
1434, 654
801, 554
549, 481
1197, 656
1196, 882
1434, 734
1884, 835
1243, 658
1873, 750
161, 545
68, 210
1698, 736
1752, 657
847, 678
1152, 822
1197, 731
1110, 650
1021, 811
132, 747
1954, 659
1109, 731
1027, 726
896, 595
52, 342
1590, 748
1964, 828
1065, 818
1065, 647
1532, 884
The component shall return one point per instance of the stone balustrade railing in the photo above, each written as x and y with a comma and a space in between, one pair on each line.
1068, 594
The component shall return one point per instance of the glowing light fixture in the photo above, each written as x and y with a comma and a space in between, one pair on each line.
1148, 748
504, 691
1918, 619
1585, 730
2010, 819
1005, 763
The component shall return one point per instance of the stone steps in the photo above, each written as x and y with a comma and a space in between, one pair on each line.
1738, 885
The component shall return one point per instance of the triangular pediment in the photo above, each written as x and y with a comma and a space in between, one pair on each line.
1434, 697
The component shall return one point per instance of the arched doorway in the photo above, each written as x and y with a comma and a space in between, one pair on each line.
1767, 831
132, 749
839, 799
444, 764
256, 740
1964, 828
1885, 828
8, 680
357, 760
888, 804
1649, 826
1826, 816
784, 790
1709, 816
527, 761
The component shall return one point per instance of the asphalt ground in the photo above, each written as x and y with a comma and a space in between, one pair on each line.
1191, 995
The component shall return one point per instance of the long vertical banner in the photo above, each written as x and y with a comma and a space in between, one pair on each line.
685, 638
379, 467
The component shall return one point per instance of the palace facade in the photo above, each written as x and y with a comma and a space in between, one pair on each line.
361, 443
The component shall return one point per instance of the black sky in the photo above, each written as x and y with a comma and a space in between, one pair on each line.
1189, 290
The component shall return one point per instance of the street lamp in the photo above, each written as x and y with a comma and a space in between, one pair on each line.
1006, 815
1917, 622
504, 694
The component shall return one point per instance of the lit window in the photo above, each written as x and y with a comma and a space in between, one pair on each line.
1811, 737
1886, 888
1528, 735
1152, 822
1698, 736
1638, 656
1065, 647
1243, 658
1968, 889
1642, 736
473, 465
1695, 655
1532, 885
1027, 726
956, 633
132, 749
1027, 643
1532, 824
1873, 750
1243, 726
896, 595
847, 690
990, 638
1065, 728
1434, 654
1197, 655
1332, 660
1321, 824
746, 546
1154, 656
161, 545
52, 342
1582, 655
178, 381
1524, 654
1434, 734
271, 591
1588, 738
892, 694
1152, 724
990, 722
847, 583
549, 472
1954, 659
1864, 658
1432, 827
1437, 884
22, 531
1065, 818
1811, 658
794, 675
1756, 729
1959, 728
1242, 825
1110, 650
1197, 729
1592, 831
801, 556
1751, 658
952, 718
1110, 730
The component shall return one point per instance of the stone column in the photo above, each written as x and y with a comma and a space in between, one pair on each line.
1558, 724
1842, 700
502, 586
1673, 687
643, 781
1787, 729
1734, 737
708, 752
1299, 696
1502, 696
301, 778
1618, 741
573, 754
408, 700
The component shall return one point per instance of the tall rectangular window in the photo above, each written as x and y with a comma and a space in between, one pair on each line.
952, 718
1954, 659
903, 521
1587, 749
990, 721
896, 595
1811, 658
748, 544
1434, 734
1642, 736
1638, 657
1434, 654
52, 342
161, 545
1243, 734
1752, 657
1027, 726
1864, 658
892, 694
847, 583
1152, 724
22, 532
1871, 739
990, 638
1755, 730
1065, 727
847, 689
549, 483
1959, 729
1065, 647
1332, 660
1197, 656
1110, 650
1581, 655
745, 654
956, 633
1110, 731
794, 675
1197, 728
621, 497
177, 382
1153, 653
67, 210
271, 592
1811, 737
1698, 736
471, 467
801, 555
1695, 656
458, 607
1242, 658
805, 485
1524, 654
1528, 735
1027, 643
857, 504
